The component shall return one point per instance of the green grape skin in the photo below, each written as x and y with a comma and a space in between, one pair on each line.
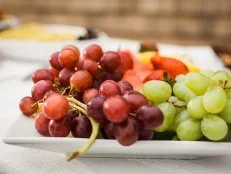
179, 118
182, 92
157, 91
214, 100
180, 109
220, 78
226, 112
168, 111
180, 78
214, 127
196, 108
208, 73
189, 130
228, 93
197, 83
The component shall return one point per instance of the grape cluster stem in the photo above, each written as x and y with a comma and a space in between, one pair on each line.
79, 106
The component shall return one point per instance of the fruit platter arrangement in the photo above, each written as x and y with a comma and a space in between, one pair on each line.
127, 97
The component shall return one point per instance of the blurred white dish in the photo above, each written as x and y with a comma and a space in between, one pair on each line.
22, 133
41, 50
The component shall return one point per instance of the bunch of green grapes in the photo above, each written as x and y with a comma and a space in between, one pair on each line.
197, 106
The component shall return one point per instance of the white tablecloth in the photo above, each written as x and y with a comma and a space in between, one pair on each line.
18, 160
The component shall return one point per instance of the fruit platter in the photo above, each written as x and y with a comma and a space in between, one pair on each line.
120, 104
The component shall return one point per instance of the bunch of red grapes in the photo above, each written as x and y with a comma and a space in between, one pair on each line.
76, 89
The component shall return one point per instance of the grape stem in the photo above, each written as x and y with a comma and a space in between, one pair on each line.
78, 103
94, 134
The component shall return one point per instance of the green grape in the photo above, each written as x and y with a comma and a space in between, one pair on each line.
182, 92
189, 130
168, 111
228, 93
179, 118
214, 127
214, 100
222, 78
196, 108
208, 73
180, 78
226, 112
180, 109
197, 82
157, 91
141, 90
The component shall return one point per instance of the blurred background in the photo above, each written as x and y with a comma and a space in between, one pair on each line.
169, 21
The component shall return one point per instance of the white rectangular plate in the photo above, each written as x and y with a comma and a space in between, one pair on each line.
22, 133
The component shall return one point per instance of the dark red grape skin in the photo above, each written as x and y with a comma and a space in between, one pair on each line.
54, 61
49, 93
54, 72
71, 115
109, 88
56, 107
110, 60
116, 109
126, 61
115, 75
41, 124
95, 108
81, 127
124, 86
42, 74
145, 134
89, 94
110, 130
93, 52
25, 106
89, 65
149, 117
59, 128
64, 77
127, 132
135, 100
77, 95
95, 84
81, 80
40, 88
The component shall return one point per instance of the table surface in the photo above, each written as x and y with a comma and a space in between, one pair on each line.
18, 160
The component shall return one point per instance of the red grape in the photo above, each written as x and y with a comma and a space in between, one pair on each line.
127, 132
110, 130
68, 59
25, 106
71, 115
42, 74
110, 60
95, 108
48, 94
41, 124
64, 77
54, 72
40, 88
73, 48
116, 109
81, 80
135, 100
149, 117
54, 61
56, 107
126, 61
109, 88
145, 134
81, 127
89, 65
89, 94
93, 52
124, 86
115, 75
59, 128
